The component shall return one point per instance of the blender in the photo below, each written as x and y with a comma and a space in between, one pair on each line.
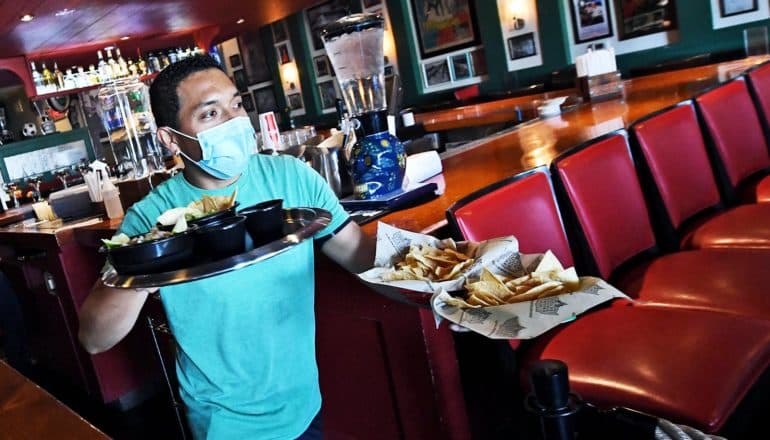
377, 159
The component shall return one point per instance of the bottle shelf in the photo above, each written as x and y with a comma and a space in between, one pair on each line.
58, 93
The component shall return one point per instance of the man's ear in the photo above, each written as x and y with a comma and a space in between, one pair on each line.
168, 139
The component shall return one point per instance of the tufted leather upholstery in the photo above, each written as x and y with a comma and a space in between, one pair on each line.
671, 145
522, 206
689, 366
733, 124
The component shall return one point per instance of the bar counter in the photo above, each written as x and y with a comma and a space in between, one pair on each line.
488, 160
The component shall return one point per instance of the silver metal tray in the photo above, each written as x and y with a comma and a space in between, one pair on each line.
299, 225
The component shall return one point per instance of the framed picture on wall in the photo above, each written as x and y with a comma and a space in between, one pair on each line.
235, 61
239, 78
321, 65
282, 51
637, 18
253, 57
443, 26
320, 15
728, 8
265, 100
437, 72
248, 102
590, 20
279, 31
522, 46
328, 93
461, 67
295, 101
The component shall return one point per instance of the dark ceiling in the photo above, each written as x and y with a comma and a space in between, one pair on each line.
95, 23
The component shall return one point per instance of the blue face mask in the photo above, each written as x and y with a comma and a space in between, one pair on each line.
225, 149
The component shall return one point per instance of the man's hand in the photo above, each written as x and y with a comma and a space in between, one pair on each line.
351, 248
108, 315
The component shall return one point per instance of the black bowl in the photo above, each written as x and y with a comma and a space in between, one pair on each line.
221, 239
206, 219
264, 221
161, 255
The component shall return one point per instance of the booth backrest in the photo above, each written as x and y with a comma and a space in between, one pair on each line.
523, 205
599, 182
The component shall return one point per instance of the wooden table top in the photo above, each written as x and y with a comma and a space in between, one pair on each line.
537, 142
29, 412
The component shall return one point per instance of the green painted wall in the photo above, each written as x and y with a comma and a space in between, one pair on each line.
695, 37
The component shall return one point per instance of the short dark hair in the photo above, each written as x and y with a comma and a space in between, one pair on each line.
163, 91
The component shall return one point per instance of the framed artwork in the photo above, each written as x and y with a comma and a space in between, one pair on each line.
388, 71
295, 101
328, 93
590, 20
443, 25
279, 31
461, 67
636, 18
320, 15
265, 100
522, 46
321, 65
239, 78
479, 62
253, 57
283, 53
248, 102
235, 61
437, 72
728, 8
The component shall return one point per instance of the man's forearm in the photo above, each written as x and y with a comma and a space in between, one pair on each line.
108, 315
351, 248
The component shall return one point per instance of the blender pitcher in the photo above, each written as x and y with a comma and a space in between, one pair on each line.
354, 46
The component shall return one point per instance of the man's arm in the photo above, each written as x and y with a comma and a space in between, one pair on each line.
351, 248
108, 315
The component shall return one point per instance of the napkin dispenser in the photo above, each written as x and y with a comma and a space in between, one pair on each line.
598, 78
71, 203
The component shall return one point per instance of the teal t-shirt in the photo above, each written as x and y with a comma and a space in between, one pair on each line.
246, 339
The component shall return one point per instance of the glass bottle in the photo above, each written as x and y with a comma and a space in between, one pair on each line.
132, 69
93, 75
114, 70
48, 81
142, 67
69, 80
172, 58
164, 61
105, 72
58, 77
37, 79
122, 66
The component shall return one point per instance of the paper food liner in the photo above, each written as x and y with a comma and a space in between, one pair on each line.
523, 320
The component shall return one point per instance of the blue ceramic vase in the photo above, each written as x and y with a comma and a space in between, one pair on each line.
377, 164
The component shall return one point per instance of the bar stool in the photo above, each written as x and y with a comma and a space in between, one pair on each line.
613, 356
677, 177
737, 143
608, 221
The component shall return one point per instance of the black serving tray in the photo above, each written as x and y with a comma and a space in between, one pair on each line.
300, 224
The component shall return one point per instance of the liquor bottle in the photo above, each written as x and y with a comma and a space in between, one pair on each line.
81, 78
69, 80
142, 67
93, 75
132, 68
164, 61
114, 70
48, 81
105, 72
58, 77
37, 78
122, 66
172, 58
180, 55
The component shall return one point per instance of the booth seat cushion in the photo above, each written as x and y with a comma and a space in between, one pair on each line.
689, 366
745, 226
734, 281
762, 190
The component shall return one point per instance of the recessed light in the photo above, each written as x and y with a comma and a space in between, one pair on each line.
27, 17
64, 12
240, 20
125, 37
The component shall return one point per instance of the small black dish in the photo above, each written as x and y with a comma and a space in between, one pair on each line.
161, 255
221, 239
206, 219
264, 221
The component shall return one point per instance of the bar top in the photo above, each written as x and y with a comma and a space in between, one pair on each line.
488, 160
27, 411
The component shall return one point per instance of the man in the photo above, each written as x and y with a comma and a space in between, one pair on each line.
246, 358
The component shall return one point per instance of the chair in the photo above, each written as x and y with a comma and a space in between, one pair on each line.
677, 176
609, 225
738, 146
639, 369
